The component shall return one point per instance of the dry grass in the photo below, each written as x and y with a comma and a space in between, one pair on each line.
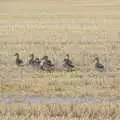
96, 111
64, 84
83, 29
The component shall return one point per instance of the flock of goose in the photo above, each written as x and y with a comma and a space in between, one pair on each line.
46, 64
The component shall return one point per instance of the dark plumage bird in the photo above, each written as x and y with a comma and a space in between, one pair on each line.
46, 64
19, 62
98, 65
31, 61
37, 61
68, 63
34, 61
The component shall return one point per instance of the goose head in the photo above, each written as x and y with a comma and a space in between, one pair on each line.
16, 54
96, 59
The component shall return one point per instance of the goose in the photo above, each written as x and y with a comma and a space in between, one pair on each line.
98, 65
34, 61
37, 61
46, 64
31, 61
19, 62
68, 63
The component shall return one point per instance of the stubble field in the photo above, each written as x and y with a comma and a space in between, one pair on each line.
84, 29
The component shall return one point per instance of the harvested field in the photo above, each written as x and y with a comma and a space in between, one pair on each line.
84, 29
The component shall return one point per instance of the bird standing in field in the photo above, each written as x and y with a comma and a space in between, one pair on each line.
46, 64
68, 63
31, 61
98, 65
37, 61
19, 62
34, 61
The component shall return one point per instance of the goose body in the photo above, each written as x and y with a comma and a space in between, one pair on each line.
46, 64
68, 63
34, 61
98, 65
19, 62
37, 61
31, 61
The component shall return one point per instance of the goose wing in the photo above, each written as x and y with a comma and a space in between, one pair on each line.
69, 62
50, 63
20, 61
100, 65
